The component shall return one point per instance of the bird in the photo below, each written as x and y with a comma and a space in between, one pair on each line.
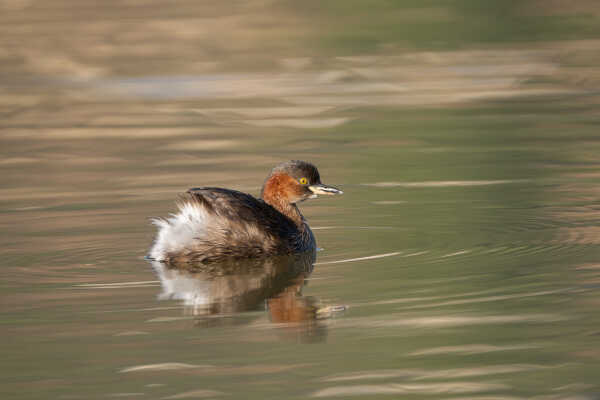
216, 224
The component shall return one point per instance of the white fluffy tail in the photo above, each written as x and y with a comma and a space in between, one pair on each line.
179, 231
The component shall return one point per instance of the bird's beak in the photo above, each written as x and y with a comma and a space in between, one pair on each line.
324, 189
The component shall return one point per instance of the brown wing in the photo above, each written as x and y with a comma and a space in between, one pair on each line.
237, 226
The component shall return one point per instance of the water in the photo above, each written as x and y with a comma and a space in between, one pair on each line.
462, 260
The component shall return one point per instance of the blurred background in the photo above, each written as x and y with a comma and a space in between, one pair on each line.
465, 250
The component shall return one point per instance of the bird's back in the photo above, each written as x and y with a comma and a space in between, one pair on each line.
214, 224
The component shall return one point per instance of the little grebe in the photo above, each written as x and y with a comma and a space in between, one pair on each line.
215, 224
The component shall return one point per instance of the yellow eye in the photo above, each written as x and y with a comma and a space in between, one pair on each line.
303, 181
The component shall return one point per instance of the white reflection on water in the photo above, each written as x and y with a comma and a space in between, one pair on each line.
361, 258
161, 367
397, 388
473, 349
402, 320
195, 394
456, 253
131, 333
417, 374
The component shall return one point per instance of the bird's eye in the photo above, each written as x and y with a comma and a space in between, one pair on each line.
303, 181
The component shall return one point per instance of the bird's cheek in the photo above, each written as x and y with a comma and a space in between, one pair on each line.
307, 193
297, 194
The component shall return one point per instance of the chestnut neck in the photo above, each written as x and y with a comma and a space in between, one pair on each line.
276, 192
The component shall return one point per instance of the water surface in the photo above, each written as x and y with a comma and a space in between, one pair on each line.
461, 262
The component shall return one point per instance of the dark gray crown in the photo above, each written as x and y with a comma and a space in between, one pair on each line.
299, 169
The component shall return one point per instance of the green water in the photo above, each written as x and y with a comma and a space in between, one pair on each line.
462, 261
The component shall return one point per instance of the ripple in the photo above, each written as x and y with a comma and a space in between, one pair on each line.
456, 253
582, 235
200, 393
303, 123
510, 250
396, 388
256, 112
170, 319
117, 285
352, 227
420, 374
387, 80
472, 349
361, 258
431, 184
450, 296
446, 321
190, 145
488, 299
169, 366
131, 333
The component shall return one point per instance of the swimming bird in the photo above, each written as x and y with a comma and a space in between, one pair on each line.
216, 224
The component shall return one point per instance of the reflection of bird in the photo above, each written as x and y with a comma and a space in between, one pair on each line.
233, 285
215, 224
212, 292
